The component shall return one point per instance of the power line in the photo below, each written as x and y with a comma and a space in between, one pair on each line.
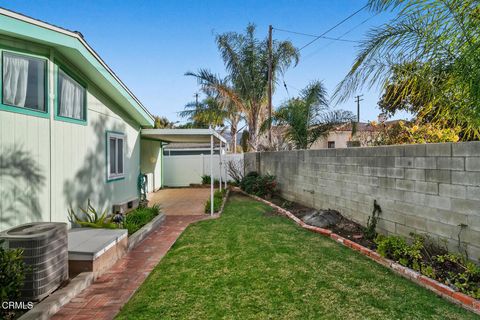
339, 23
345, 33
316, 36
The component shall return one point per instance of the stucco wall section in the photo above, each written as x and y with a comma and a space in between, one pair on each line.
429, 189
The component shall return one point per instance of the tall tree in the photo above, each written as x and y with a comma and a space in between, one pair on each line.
439, 38
162, 123
308, 117
208, 112
216, 111
246, 62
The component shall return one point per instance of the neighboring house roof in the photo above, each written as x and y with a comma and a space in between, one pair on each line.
73, 46
364, 126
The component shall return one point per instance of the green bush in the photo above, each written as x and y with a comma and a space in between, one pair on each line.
451, 269
139, 217
217, 201
91, 218
206, 179
261, 186
12, 276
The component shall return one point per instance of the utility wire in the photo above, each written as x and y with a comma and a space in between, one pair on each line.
345, 33
316, 36
339, 23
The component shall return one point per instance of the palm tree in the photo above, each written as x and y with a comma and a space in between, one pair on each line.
208, 112
439, 38
162, 123
308, 117
246, 61
215, 110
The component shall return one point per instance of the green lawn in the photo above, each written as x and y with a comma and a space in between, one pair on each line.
250, 264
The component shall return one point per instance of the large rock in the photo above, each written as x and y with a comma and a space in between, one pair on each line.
322, 218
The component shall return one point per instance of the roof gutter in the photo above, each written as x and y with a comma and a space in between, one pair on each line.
80, 38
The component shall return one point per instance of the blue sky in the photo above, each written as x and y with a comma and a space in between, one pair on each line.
151, 44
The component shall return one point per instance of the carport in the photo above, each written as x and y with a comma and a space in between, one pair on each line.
192, 136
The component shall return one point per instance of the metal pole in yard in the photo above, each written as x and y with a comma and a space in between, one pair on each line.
226, 174
211, 175
220, 166
270, 79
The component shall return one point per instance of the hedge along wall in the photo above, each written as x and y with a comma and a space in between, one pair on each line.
430, 189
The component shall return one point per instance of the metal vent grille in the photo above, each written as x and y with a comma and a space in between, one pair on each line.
45, 248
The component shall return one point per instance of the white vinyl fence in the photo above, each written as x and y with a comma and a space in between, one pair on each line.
181, 171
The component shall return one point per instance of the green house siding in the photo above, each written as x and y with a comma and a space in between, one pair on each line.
151, 162
74, 48
50, 165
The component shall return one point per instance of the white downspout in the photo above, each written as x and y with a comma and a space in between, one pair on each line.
211, 175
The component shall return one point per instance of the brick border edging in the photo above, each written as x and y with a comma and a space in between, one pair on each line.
50, 305
438, 288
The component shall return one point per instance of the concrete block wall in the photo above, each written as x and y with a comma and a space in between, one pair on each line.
428, 189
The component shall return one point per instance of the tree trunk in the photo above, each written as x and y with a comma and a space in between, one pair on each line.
253, 131
233, 132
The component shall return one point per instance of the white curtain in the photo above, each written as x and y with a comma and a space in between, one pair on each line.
15, 80
71, 97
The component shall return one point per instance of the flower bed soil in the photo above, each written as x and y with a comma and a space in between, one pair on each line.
345, 228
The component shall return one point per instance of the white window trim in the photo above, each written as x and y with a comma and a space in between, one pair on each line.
118, 136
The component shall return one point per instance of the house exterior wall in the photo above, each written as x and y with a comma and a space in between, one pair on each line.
48, 164
431, 189
151, 163
339, 137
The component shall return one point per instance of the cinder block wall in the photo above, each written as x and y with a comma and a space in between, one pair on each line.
428, 189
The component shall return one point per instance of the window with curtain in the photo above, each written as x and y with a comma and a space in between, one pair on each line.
115, 155
71, 97
23, 81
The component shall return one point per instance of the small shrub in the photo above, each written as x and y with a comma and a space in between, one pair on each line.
12, 276
457, 271
391, 247
261, 186
248, 183
206, 179
91, 218
451, 269
370, 231
217, 201
139, 217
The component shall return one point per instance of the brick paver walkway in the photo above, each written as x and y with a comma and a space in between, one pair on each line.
104, 298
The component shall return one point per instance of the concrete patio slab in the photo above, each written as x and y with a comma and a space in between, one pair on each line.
181, 201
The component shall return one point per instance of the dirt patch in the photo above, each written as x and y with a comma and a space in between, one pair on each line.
345, 227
